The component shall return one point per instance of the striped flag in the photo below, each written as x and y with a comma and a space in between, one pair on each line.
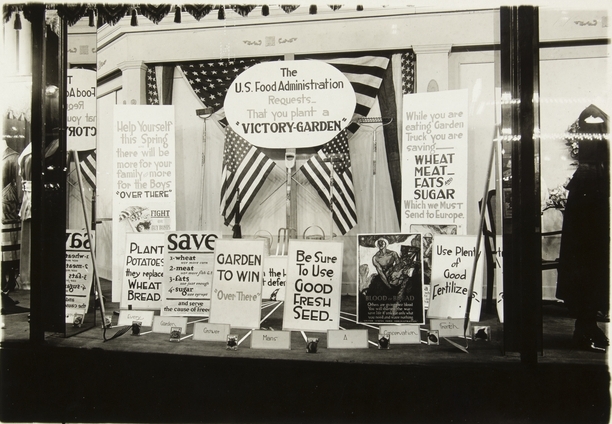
365, 74
318, 170
245, 169
87, 161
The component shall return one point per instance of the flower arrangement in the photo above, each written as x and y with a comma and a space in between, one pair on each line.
571, 140
557, 197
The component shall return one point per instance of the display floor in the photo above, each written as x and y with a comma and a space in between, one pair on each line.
147, 378
557, 339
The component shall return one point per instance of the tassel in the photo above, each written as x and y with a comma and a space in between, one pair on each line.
265, 10
134, 21
221, 15
313, 9
17, 22
91, 17
177, 15
359, 8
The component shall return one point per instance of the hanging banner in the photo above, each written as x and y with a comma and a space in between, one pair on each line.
144, 195
390, 268
79, 274
290, 104
453, 263
143, 271
237, 281
188, 272
435, 159
314, 286
81, 110
275, 277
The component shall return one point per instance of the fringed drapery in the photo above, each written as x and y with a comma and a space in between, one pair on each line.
111, 14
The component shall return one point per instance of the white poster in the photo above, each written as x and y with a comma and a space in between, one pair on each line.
79, 274
144, 194
435, 159
452, 267
81, 110
237, 277
143, 271
188, 272
290, 103
314, 283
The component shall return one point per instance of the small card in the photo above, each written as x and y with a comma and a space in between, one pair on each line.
433, 337
165, 324
481, 333
127, 317
384, 341
78, 320
312, 345
136, 328
232, 342
403, 334
175, 334
450, 327
347, 339
264, 339
206, 332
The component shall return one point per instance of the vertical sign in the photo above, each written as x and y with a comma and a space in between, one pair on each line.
81, 110
314, 282
499, 278
453, 263
143, 176
435, 141
390, 279
275, 277
237, 277
143, 271
188, 271
79, 273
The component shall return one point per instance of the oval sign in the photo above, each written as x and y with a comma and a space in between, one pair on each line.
290, 104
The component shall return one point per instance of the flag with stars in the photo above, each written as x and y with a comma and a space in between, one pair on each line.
210, 80
159, 84
408, 67
335, 156
245, 169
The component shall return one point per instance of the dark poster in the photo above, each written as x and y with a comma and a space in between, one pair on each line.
390, 279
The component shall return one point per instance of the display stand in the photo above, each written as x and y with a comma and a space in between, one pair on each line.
98, 286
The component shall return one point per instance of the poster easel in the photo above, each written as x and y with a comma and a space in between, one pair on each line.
73, 154
494, 158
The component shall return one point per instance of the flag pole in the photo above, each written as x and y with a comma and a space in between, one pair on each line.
204, 114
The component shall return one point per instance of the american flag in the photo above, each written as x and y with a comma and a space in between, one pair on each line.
210, 80
408, 65
87, 160
365, 73
245, 169
152, 92
334, 155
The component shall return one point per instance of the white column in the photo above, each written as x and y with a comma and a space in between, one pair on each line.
432, 67
134, 83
